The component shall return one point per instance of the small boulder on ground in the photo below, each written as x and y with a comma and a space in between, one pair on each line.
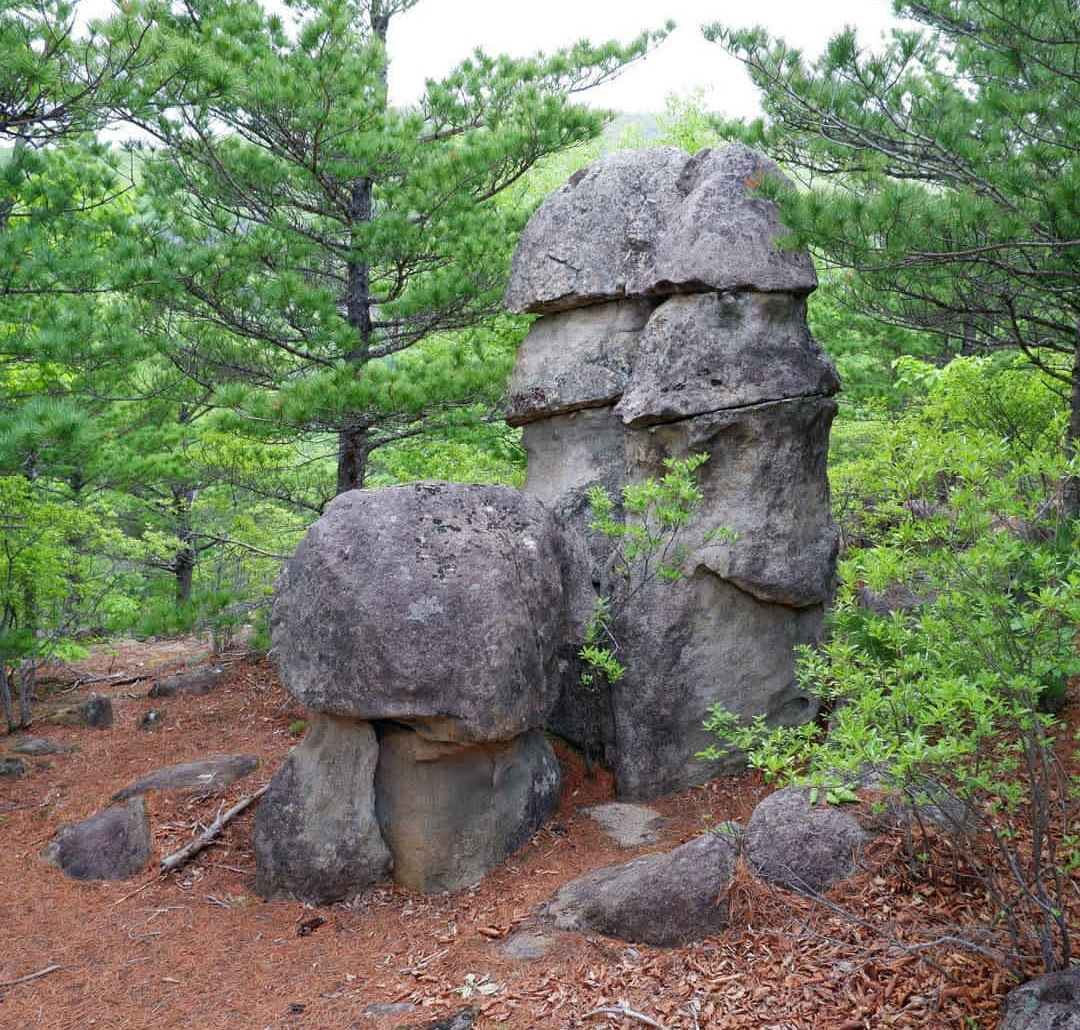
111, 845
196, 682
804, 847
663, 900
12, 767
40, 746
628, 825
203, 775
96, 711
1050, 1002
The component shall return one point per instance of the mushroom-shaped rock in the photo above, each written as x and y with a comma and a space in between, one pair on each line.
655, 222
451, 608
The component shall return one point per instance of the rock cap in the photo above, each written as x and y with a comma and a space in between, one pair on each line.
655, 222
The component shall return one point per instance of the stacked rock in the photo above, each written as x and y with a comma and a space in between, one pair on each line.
674, 323
431, 627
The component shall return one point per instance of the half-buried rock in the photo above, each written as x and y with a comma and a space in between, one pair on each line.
438, 622
113, 844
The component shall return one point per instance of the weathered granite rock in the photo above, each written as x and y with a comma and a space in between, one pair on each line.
152, 719
628, 825
203, 776
449, 607
806, 848
40, 746
111, 845
1049, 1002
96, 711
315, 834
452, 812
576, 359
693, 339
655, 222
196, 682
664, 900
12, 767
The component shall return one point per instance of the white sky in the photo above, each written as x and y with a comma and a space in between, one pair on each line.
430, 39
436, 34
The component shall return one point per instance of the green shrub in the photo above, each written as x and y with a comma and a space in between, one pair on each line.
950, 647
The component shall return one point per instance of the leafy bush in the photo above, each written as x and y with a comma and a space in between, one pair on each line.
951, 645
646, 529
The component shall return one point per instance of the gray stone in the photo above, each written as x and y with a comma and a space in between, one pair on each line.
804, 847
452, 608
663, 900
203, 776
686, 649
12, 767
528, 947
96, 711
153, 719
111, 845
197, 682
722, 351
722, 365
40, 746
766, 480
1049, 1002
388, 1008
628, 825
315, 834
576, 359
652, 223
452, 812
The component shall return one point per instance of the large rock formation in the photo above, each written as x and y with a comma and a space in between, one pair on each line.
673, 324
432, 628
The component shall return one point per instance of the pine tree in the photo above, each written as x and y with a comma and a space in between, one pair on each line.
943, 173
325, 238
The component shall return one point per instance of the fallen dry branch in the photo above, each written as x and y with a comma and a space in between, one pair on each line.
625, 1010
29, 976
206, 838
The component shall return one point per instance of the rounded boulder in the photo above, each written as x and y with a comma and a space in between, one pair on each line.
449, 607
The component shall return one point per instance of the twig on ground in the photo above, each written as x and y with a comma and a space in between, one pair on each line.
624, 1010
206, 838
29, 976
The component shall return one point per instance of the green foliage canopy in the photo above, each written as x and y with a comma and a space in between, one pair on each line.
942, 169
307, 234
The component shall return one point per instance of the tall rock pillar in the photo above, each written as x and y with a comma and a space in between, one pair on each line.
673, 324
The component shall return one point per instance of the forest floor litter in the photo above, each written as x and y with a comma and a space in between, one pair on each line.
195, 947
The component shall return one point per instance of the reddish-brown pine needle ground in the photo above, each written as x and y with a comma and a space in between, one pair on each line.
197, 948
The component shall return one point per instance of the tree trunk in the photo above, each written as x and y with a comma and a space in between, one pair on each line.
183, 566
354, 446
1070, 493
184, 573
27, 687
354, 442
5, 697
